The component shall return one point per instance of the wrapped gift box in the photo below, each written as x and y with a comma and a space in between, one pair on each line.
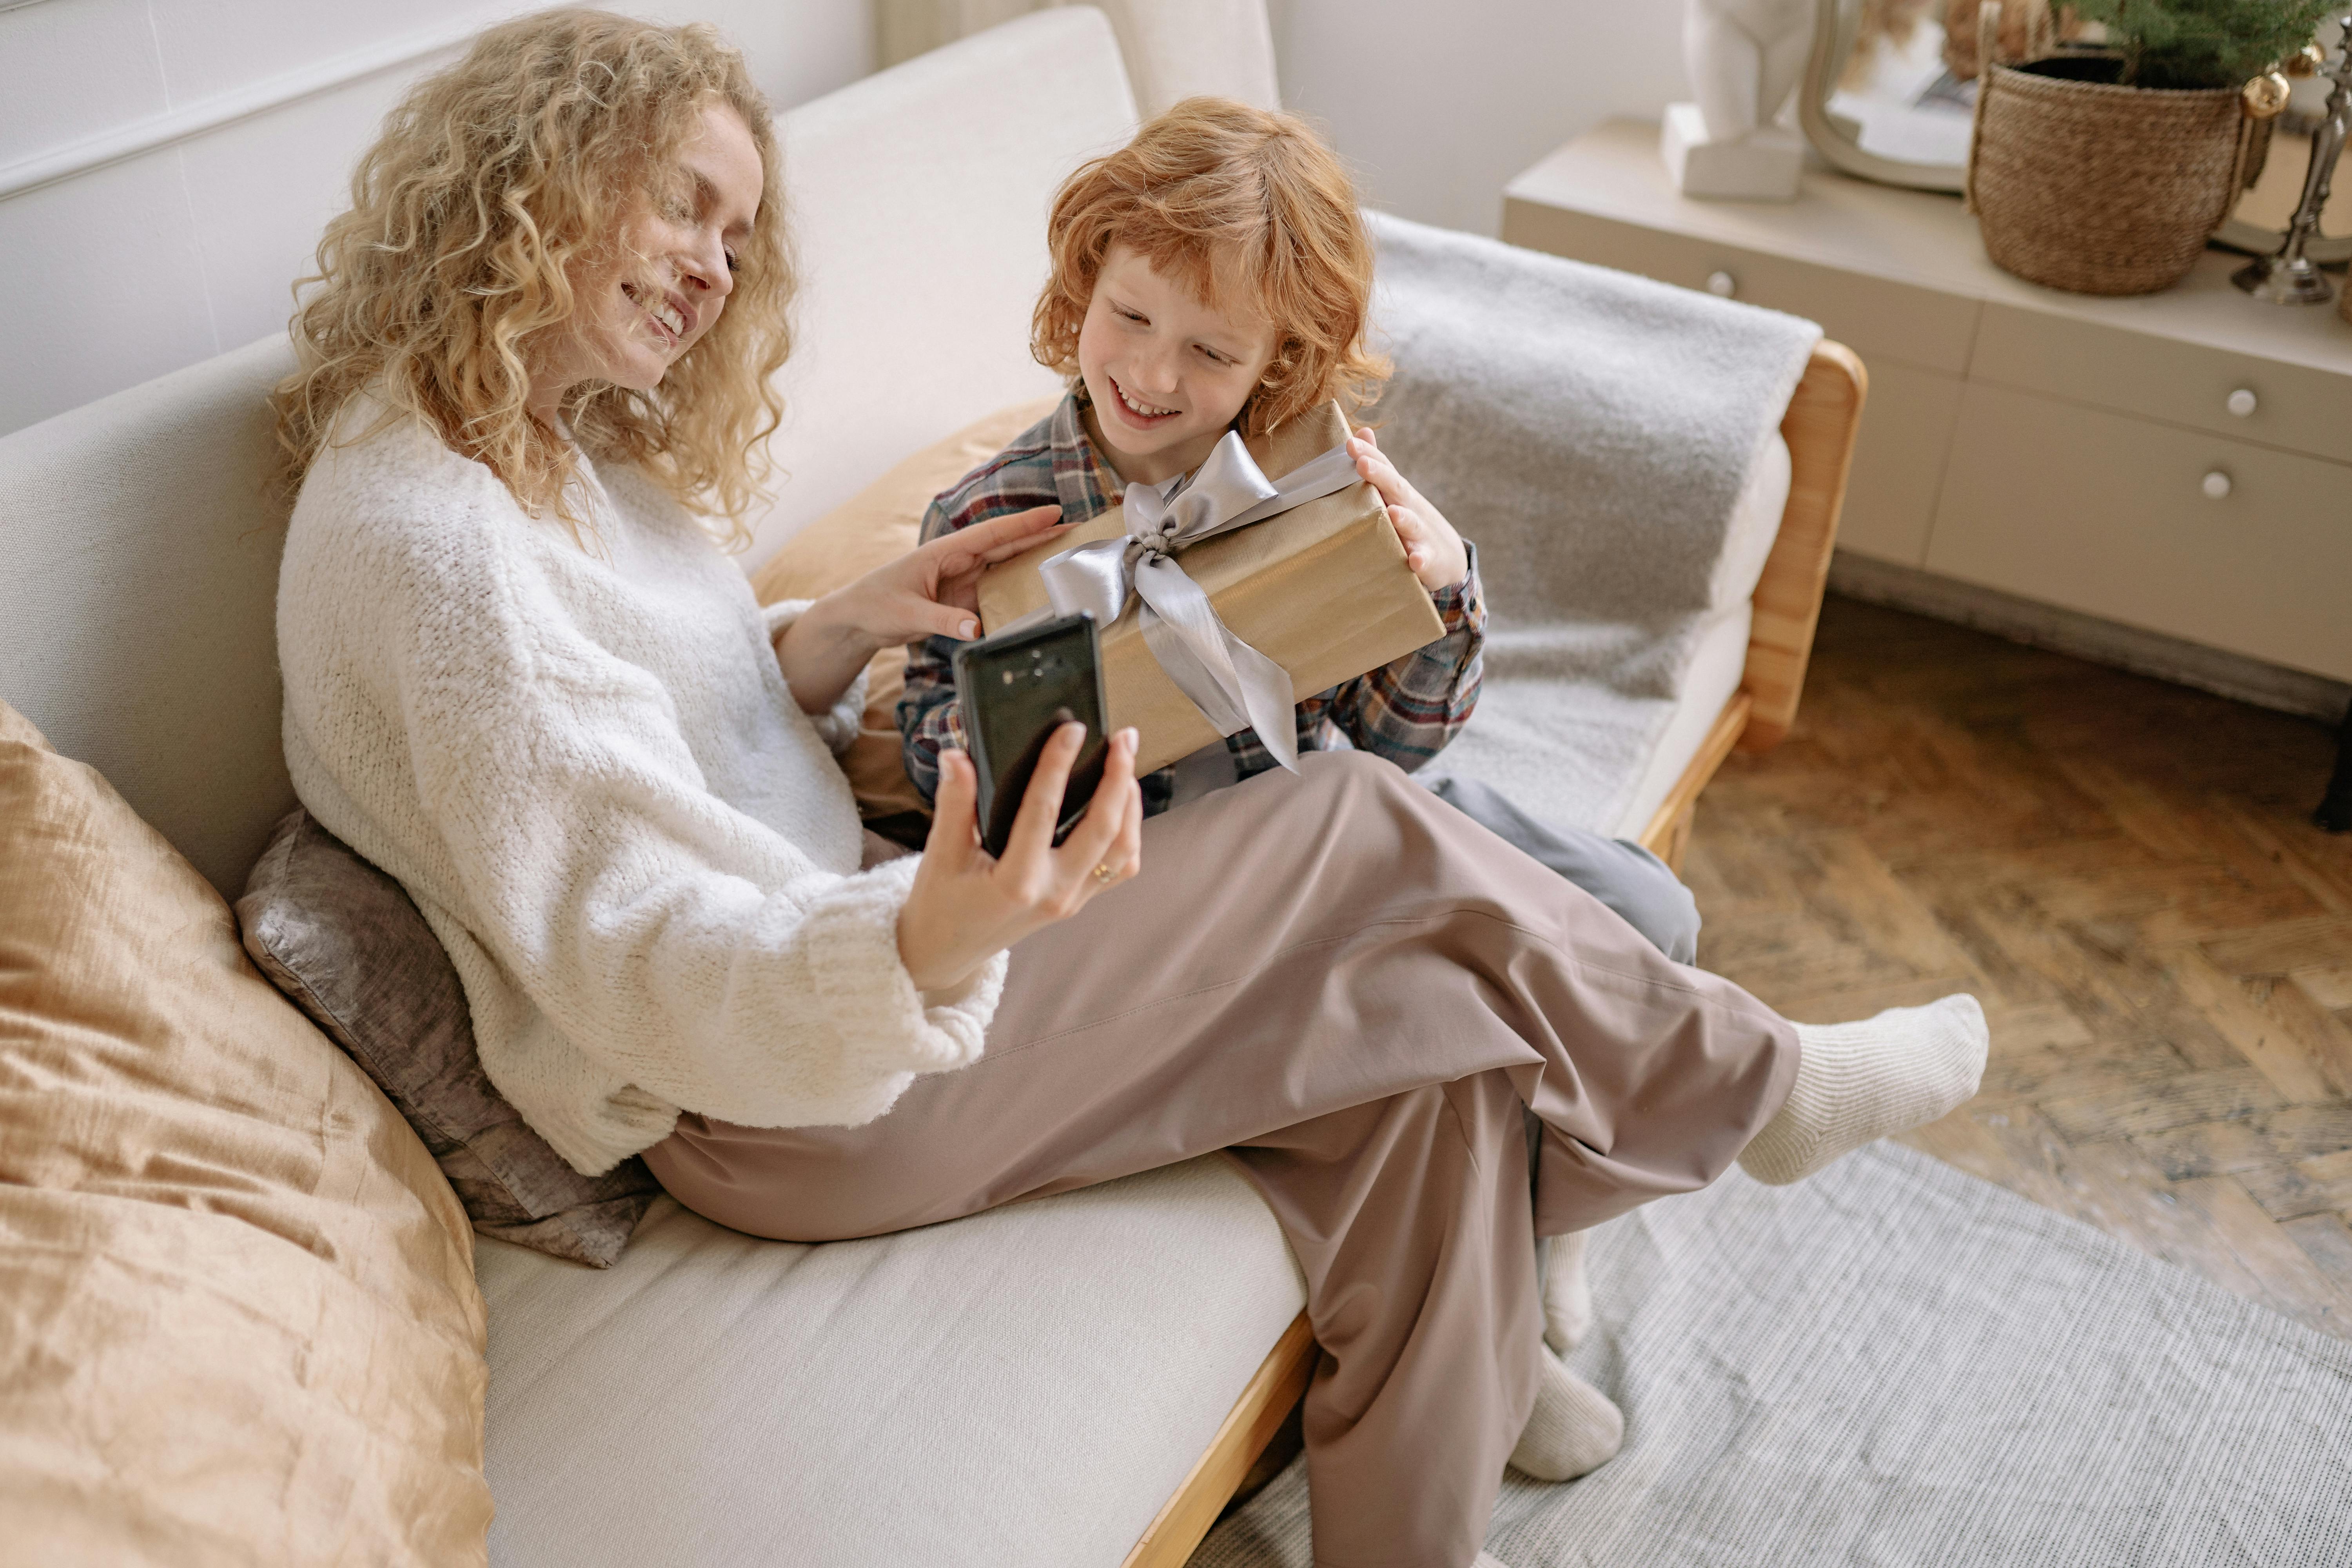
1323, 590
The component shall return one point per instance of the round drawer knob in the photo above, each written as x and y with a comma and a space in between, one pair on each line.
1722, 285
2243, 402
2216, 486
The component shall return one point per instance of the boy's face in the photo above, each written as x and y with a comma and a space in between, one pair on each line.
1166, 373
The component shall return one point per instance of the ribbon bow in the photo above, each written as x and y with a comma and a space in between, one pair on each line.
1234, 686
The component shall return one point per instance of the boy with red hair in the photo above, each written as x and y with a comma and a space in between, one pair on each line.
1214, 275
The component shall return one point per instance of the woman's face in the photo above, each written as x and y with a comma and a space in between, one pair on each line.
663, 286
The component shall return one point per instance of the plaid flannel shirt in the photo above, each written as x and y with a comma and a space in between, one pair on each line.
1405, 711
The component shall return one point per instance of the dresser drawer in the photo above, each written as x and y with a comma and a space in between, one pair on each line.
1898, 462
2107, 515
1876, 318
2292, 406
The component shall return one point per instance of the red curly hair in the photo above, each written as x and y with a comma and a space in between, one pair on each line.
1249, 209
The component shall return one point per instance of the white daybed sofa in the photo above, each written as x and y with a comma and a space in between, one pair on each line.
1080, 1381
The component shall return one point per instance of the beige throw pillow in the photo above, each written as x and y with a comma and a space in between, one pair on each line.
872, 528
238, 1320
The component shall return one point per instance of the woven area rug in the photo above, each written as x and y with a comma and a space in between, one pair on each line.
1896, 1364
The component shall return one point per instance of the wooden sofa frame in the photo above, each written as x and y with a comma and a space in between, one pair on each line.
1819, 428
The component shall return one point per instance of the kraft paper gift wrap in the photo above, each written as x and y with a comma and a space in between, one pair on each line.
1323, 590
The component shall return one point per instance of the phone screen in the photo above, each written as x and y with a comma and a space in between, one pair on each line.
1015, 690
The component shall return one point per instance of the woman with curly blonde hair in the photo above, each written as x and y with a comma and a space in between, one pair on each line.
523, 678
505, 181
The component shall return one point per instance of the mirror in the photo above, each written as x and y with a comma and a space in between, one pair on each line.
1890, 94
1881, 100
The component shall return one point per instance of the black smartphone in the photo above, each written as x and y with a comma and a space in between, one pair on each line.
1016, 689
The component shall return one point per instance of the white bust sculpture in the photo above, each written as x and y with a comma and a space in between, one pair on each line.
1745, 58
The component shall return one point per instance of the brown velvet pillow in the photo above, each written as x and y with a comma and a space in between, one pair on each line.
344, 941
238, 1322
872, 528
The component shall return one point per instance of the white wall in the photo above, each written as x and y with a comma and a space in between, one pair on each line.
123, 272
1437, 103
118, 274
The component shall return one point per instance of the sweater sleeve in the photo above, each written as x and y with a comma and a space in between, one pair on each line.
680, 943
839, 723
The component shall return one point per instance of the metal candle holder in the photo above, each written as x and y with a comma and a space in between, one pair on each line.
2287, 276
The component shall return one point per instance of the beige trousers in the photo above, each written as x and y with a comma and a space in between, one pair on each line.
1360, 992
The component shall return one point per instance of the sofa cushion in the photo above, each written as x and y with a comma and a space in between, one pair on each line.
344, 941
1025, 1386
876, 526
238, 1313
138, 569
919, 203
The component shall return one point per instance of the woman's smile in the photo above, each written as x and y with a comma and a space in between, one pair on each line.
673, 319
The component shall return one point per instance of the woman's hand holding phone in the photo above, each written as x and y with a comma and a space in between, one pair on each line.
967, 906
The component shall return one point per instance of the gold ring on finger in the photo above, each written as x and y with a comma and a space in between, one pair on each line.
1105, 871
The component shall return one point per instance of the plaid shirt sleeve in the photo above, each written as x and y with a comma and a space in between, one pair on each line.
929, 719
1408, 711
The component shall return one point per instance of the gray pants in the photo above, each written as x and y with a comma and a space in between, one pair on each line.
1628, 878
1622, 875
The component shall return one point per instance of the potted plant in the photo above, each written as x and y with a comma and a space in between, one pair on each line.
2104, 170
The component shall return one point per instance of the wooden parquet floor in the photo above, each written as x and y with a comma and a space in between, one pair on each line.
2125, 873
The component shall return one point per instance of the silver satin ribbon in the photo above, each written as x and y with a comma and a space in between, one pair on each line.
1234, 686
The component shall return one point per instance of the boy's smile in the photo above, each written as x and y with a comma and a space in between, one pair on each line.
1165, 373
1133, 411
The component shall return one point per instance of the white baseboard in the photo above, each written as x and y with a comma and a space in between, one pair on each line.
2087, 637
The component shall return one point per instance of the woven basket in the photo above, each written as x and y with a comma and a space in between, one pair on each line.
2098, 188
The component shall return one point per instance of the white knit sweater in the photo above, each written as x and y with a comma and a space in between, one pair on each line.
586, 770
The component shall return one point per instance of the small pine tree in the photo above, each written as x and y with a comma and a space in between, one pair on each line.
2204, 43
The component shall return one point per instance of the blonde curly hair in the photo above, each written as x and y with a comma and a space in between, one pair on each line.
493, 179
1245, 206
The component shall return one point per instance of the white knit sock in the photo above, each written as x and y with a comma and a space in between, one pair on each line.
1860, 1082
1489, 1560
1573, 1429
1567, 1295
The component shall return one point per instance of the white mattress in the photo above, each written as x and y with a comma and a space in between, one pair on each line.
1025, 1386
1755, 524
1714, 677
1722, 658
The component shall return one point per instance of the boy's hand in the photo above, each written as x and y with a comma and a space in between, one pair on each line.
1431, 548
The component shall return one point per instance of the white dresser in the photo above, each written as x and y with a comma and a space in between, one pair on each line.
2179, 463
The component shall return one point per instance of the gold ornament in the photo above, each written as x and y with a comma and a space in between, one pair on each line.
2266, 95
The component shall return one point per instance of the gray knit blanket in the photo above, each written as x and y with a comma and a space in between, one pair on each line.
1590, 431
